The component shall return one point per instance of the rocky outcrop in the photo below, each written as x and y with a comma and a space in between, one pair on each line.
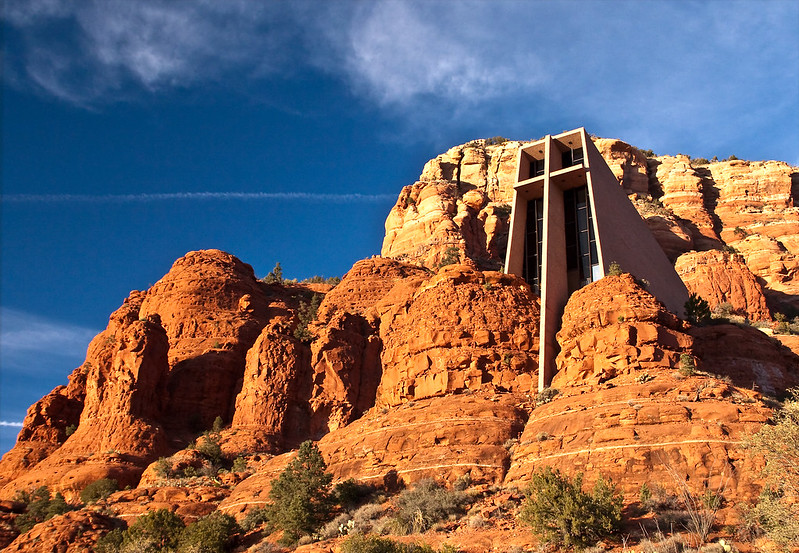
369, 281
73, 532
636, 433
612, 328
272, 407
212, 309
747, 356
347, 370
628, 164
461, 330
440, 438
626, 405
53, 418
119, 431
722, 277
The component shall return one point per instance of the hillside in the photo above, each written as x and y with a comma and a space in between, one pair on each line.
412, 369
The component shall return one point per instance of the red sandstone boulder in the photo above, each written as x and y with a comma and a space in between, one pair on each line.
721, 277
347, 370
272, 407
462, 329
614, 327
73, 532
212, 309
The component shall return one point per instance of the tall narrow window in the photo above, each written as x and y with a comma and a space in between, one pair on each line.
582, 261
533, 244
536, 168
573, 156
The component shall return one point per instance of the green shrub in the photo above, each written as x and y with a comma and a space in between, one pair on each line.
700, 161
211, 534
208, 446
301, 498
99, 489
614, 269
687, 365
351, 493
111, 542
70, 430
648, 153
697, 310
154, 531
306, 313
275, 276
427, 503
163, 467
779, 444
239, 464
452, 255
255, 518
503, 210
359, 543
559, 511
39, 506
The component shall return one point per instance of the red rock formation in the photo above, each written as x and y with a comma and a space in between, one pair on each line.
119, 431
614, 327
365, 284
272, 407
722, 277
750, 358
625, 411
212, 309
73, 532
347, 370
634, 433
441, 438
45, 426
628, 164
462, 329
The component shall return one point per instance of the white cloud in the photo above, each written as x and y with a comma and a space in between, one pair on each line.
22, 334
11, 423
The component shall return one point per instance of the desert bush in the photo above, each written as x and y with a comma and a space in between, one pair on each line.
255, 518
494, 140
39, 506
351, 493
364, 517
99, 489
777, 511
697, 310
545, 396
163, 467
154, 531
699, 509
614, 269
111, 542
358, 543
424, 505
208, 446
301, 498
239, 464
452, 255
559, 511
648, 153
70, 430
306, 313
275, 276
687, 364
210, 534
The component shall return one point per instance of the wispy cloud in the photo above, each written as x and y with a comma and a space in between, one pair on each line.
623, 66
11, 423
198, 196
22, 333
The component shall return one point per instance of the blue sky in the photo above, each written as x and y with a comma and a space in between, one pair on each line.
133, 132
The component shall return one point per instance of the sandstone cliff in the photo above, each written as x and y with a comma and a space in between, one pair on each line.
423, 363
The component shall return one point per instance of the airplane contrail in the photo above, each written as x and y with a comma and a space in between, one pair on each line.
158, 197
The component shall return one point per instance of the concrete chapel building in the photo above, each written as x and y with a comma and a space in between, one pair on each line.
570, 221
